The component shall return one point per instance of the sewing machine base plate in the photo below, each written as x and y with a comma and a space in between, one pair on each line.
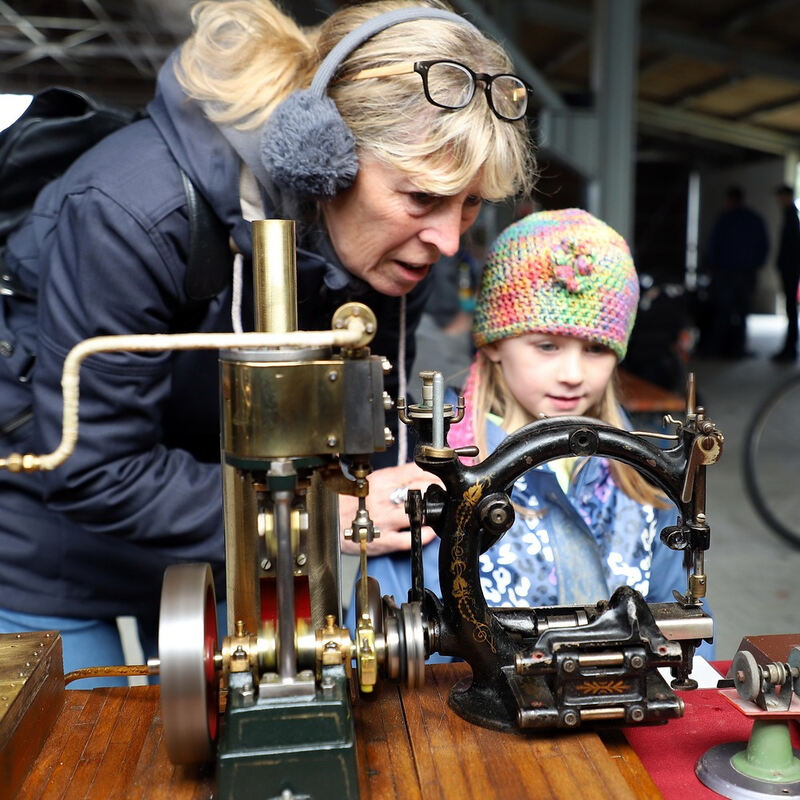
535, 706
484, 708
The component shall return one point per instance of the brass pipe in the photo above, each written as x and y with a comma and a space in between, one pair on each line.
351, 334
275, 275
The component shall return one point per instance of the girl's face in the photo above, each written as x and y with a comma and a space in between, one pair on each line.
553, 375
389, 233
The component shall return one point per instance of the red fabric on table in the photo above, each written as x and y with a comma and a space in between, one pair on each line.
669, 752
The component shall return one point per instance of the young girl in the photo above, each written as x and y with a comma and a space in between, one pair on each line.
554, 313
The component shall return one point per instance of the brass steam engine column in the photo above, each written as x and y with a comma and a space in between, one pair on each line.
298, 426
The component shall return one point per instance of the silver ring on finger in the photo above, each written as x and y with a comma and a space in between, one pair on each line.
398, 496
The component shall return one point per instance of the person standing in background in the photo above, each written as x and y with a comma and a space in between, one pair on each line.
788, 263
736, 251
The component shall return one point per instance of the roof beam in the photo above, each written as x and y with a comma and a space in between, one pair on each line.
773, 105
61, 52
30, 32
119, 35
704, 126
760, 8
554, 14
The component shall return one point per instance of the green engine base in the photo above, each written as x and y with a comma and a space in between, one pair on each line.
294, 746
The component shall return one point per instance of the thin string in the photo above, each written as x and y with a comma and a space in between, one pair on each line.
402, 433
236, 299
252, 208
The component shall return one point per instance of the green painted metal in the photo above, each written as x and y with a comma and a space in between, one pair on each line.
305, 745
768, 755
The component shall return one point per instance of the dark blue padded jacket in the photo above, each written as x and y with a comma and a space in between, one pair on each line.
105, 248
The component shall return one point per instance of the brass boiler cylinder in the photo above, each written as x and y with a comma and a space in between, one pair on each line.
274, 275
277, 404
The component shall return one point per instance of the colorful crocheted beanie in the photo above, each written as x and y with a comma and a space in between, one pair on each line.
560, 272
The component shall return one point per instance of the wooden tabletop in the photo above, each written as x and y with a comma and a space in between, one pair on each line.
412, 745
108, 743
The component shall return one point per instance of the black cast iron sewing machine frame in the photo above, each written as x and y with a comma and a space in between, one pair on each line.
555, 667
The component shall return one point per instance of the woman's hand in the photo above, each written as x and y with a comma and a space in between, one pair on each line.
388, 516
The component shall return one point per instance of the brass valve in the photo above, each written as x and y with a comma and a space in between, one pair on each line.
240, 651
334, 646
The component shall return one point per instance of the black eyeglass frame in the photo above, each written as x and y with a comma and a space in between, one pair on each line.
423, 67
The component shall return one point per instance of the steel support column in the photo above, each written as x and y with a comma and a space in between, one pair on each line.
615, 50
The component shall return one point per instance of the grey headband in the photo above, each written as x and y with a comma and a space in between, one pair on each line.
367, 30
305, 145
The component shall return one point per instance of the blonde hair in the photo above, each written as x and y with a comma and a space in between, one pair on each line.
492, 396
246, 56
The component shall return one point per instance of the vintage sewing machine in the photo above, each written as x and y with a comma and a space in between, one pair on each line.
271, 701
556, 667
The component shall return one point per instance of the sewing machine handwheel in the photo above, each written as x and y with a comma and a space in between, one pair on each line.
187, 644
414, 635
746, 675
405, 643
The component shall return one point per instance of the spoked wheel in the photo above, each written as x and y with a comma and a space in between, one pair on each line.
187, 643
772, 460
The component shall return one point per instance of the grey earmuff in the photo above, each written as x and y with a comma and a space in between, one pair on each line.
305, 144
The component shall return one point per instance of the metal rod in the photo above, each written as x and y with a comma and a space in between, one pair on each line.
438, 410
602, 713
691, 394
287, 661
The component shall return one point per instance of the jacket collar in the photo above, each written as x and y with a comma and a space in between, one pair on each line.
211, 156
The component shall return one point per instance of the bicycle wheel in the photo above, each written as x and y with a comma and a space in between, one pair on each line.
772, 460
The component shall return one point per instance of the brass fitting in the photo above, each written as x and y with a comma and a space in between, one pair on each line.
366, 655
697, 585
240, 651
334, 646
360, 318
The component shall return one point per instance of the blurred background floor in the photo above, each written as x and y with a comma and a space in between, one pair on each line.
753, 574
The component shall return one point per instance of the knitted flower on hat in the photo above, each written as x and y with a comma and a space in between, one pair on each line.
560, 272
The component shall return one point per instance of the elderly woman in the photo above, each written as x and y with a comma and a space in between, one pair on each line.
381, 133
